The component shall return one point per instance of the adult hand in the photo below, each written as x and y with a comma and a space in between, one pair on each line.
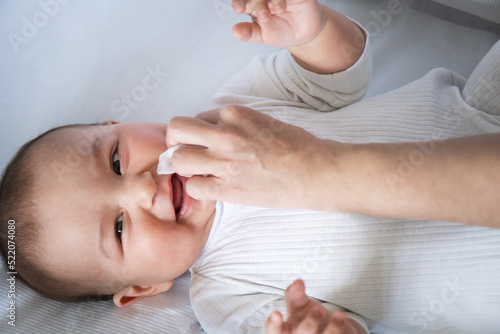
251, 158
256, 160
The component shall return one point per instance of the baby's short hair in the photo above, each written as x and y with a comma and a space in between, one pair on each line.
18, 209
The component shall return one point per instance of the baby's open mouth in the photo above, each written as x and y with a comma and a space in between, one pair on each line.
177, 194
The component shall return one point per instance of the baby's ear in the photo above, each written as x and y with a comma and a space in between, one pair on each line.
130, 295
109, 122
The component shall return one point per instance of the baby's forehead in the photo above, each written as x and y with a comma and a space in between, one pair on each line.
66, 165
79, 133
69, 221
73, 144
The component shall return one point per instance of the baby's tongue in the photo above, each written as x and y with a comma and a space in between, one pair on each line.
177, 191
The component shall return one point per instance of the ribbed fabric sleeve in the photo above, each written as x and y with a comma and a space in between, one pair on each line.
482, 90
277, 80
486, 9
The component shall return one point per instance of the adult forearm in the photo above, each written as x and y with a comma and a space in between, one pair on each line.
451, 180
337, 47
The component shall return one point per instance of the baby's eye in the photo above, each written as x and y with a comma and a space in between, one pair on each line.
115, 162
119, 228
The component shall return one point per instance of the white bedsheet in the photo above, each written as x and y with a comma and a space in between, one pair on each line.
72, 61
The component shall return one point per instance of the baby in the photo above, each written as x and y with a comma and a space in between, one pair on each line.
110, 224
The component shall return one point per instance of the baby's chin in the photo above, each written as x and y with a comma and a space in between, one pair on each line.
199, 213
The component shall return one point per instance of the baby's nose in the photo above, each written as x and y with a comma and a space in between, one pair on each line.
144, 189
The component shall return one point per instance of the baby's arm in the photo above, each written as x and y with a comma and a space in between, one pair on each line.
320, 39
278, 82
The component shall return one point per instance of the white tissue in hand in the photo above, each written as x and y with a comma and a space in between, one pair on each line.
165, 161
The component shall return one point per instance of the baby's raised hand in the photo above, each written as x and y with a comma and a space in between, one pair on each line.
280, 23
307, 316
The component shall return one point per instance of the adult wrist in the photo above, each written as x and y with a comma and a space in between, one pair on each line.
329, 182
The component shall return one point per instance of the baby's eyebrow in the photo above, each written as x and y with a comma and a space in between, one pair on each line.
95, 159
96, 148
96, 153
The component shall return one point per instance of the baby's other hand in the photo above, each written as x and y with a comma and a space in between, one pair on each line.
307, 316
280, 23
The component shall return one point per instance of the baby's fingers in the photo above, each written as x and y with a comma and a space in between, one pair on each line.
337, 323
274, 323
314, 321
239, 6
248, 32
277, 6
295, 297
255, 8
261, 10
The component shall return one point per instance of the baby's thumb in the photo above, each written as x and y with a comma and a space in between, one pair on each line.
295, 297
248, 32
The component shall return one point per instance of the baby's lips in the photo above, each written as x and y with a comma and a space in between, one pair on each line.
165, 161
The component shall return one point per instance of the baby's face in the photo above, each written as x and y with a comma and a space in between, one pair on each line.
106, 212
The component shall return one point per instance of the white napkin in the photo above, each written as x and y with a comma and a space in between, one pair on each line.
165, 161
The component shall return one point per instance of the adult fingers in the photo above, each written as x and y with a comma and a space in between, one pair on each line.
192, 131
194, 161
205, 188
210, 116
238, 116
